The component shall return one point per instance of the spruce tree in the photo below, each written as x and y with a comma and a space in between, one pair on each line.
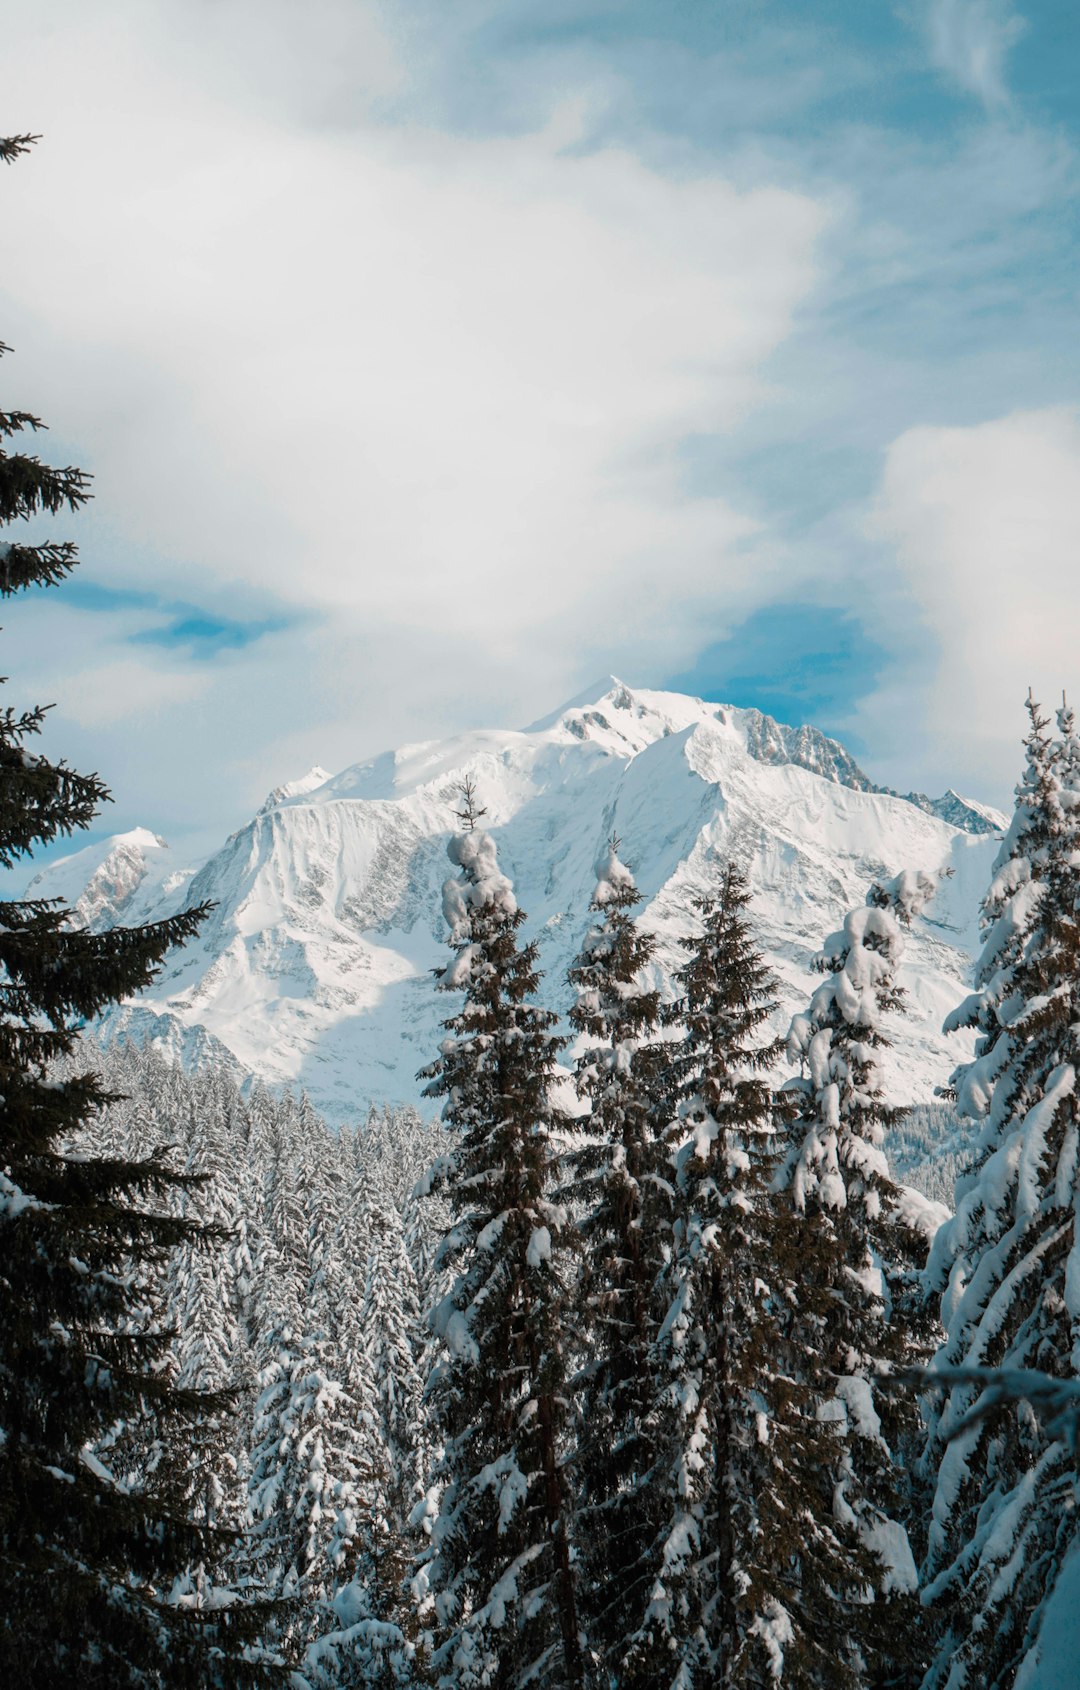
389, 1325
620, 1187
497, 1577
86, 1563
836, 1172
201, 1308
756, 1579
311, 1474
1008, 1263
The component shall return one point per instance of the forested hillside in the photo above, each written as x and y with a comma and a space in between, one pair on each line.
604, 1368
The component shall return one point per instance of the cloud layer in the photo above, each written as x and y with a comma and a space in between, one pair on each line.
432, 360
415, 383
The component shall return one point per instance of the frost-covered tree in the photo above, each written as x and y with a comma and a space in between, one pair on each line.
496, 1576
350, 1619
208, 1351
1008, 1263
86, 1562
311, 1476
620, 1187
390, 1337
1009, 913
836, 1172
754, 1580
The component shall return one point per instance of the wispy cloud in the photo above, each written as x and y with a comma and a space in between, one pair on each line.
982, 529
970, 41
203, 631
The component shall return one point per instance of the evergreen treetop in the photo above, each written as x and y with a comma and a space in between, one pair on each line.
497, 1576
620, 1185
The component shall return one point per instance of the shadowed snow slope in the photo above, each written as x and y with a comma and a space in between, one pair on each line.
314, 969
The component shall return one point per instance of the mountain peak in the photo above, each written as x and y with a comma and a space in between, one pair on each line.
314, 968
601, 691
109, 880
291, 789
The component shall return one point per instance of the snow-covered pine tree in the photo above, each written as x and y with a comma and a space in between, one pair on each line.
201, 1308
619, 1184
311, 1477
496, 1576
390, 1335
836, 1172
1008, 1263
84, 1561
369, 1336
1009, 913
754, 1581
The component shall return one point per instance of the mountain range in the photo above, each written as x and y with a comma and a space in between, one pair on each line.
315, 967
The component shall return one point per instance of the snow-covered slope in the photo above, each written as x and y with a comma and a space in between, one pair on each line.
120, 879
315, 966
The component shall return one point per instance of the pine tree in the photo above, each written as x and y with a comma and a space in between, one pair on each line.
620, 1187
389, 1324
497, 1576
309, 1472
837, 1172
85, 1562
200, 1303
755, 1581
1009, 913
1008, 1263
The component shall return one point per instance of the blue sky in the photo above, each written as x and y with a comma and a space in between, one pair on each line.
433, 360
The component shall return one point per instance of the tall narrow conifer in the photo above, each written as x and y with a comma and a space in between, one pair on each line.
755, 1577
836, 1173
621, 1185
497, 1578
1008, 1264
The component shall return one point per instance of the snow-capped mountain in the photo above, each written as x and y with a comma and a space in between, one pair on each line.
121, 879
315, 966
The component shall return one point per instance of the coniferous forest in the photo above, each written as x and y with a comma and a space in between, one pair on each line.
625, 1364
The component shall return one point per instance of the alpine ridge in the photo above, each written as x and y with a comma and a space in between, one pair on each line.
314, 967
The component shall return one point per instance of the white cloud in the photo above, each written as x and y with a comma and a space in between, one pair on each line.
984, 526
445, 374
970, 40
125, 690
428, 384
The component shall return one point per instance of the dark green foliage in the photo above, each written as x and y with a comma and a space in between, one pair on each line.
28, 487
620, 1184
498, 1573
86, 1564
12, 146
759, 1577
